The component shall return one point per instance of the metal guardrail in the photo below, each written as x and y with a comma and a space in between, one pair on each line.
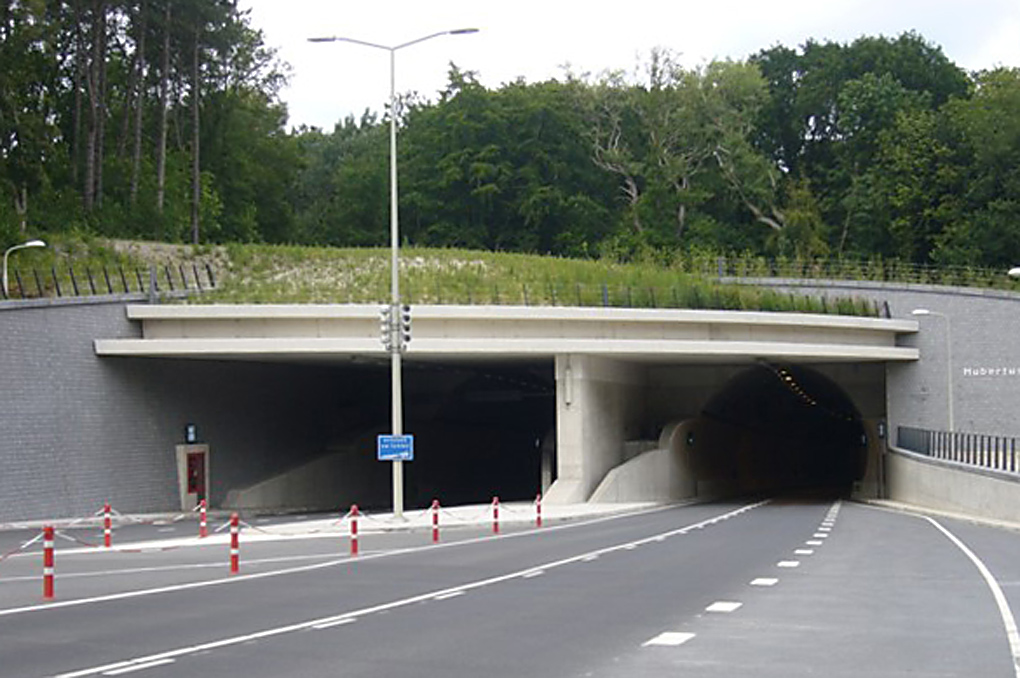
997, 453
82, 281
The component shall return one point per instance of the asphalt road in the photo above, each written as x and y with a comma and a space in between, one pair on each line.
780, 588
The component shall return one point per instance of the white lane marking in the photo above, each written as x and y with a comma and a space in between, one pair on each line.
451, 594
764, 581
630, 547
383, 607
819, 535
724, 606
1008, 621
669, 638
137, 667
342, 621
534, 573
825, 529
174, 568
167, 529
803, 552
788, 563
234, 579
814, 542
588, 559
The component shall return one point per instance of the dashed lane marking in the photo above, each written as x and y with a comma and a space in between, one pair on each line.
383, 607
788, 563
820, 535
724, 606
764, 581
814, 542
804, 552
669, 638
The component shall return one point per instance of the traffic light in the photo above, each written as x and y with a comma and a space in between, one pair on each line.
405, 326
386, 327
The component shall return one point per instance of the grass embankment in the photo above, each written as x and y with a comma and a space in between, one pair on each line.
270, 274
273, 274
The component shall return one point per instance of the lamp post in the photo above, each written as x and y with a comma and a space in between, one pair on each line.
949, 356
395, 345
30, 243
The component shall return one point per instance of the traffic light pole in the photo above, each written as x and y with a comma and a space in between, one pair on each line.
398, 428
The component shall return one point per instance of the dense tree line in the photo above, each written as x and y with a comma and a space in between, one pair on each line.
161, 119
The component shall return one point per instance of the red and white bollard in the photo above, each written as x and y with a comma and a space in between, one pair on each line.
203, 526
538, 510
495, 515
435, 521
354, 529
107, 526
48, 562
235, 551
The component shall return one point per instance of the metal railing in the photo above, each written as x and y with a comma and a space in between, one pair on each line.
877, 270
83, 281
997, 453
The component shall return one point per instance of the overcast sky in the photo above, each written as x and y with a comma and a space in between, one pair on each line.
534, 39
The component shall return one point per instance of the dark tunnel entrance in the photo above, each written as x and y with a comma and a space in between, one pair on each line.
304, 436
791, 428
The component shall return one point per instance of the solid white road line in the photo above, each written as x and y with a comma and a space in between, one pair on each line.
336, 622
451, 594
1008, 621
669, 638
534, 573
764, 581
384, 607
234, 579
724, 606
137, 667
175, 568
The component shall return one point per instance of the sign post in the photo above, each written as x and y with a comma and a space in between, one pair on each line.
396, 449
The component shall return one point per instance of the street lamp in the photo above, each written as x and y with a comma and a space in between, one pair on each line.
395, 344
30, 243
949, 356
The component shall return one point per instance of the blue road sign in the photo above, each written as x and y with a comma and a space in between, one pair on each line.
395, 448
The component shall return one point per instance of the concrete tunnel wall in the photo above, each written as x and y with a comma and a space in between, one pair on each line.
705, 457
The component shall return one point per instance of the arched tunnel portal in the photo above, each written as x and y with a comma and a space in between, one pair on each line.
781, 427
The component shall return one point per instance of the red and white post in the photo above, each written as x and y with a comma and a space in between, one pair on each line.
203, 526
495, 515
354, 529
48, 562
235, 551
538, 510
435, 521
107, 526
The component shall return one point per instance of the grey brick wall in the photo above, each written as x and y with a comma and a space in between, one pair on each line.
77, 430
984, 350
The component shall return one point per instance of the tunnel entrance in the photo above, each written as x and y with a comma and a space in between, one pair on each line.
303, 436
789, 427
